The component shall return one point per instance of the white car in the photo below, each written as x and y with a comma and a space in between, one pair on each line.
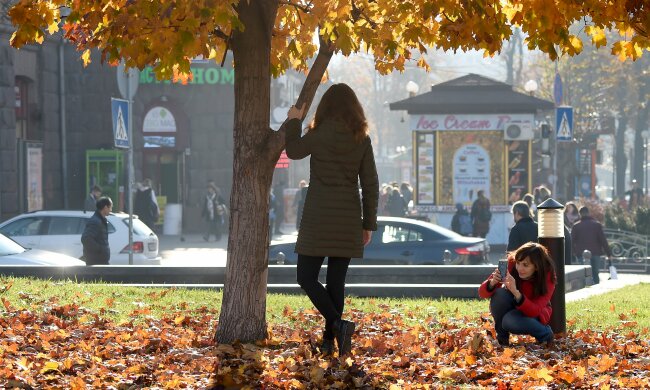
60, 231
11, 253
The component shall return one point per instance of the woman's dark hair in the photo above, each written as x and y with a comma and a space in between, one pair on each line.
538, 255
340, 102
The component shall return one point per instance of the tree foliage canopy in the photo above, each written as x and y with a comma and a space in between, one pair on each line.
168, 33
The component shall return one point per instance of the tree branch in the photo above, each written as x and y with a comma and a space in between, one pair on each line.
304, 8
276, 141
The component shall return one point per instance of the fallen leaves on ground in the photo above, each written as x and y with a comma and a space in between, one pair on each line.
66, 346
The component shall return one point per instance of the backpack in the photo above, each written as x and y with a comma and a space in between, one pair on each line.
465, 224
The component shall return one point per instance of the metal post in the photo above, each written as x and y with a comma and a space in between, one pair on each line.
63, 126
130, 170
645, 167
551, 235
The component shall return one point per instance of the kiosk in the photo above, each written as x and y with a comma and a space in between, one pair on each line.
469, 134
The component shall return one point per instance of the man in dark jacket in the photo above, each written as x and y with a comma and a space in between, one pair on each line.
95, 235
525, 229
588, 234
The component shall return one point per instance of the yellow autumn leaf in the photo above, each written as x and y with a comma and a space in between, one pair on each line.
576, 45
544, 374
22, 363
597, 36
85, 57
53, 27
49, 367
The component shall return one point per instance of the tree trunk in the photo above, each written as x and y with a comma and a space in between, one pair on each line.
257, 149
243, 310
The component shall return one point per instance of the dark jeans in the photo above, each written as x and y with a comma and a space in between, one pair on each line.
508, 319
215, 227
596, 263
328, 300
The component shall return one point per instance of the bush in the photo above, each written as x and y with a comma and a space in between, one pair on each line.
637, 220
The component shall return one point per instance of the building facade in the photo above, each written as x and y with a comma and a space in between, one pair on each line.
55, 117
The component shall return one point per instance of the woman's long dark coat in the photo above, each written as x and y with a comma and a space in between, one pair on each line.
335, 215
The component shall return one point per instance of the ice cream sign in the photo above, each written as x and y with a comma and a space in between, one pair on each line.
473, 122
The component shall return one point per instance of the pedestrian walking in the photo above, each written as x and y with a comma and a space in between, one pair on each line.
520, 300
91, 200
146, 205
94, 239
525, 229
407, 192
384, 194
481, 215
635, 197
530, 201
588, 234
396, 205
336, 223
461, 222
214, 212
571, 214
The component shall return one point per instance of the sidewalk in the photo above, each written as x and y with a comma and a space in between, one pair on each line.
606, 285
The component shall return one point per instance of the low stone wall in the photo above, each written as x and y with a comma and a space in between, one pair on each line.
454, 281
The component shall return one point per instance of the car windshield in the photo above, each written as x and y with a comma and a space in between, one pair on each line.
9, 246
139, 227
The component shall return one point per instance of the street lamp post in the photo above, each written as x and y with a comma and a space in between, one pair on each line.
530, 87
645, 134
412, 88
550, 232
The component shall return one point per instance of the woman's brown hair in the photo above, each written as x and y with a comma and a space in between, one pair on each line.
341, 103
539, 256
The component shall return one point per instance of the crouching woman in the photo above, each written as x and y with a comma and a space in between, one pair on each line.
520, 300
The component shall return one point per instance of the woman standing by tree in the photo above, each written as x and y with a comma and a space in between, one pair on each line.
333, 223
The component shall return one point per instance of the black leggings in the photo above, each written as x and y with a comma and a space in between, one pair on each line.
328, 300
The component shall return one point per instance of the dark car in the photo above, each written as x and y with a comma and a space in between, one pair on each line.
406, 241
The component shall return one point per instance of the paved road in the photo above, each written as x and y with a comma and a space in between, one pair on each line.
193, 250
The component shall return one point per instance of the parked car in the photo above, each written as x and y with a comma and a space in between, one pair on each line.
12, 253
60, 231
406, 241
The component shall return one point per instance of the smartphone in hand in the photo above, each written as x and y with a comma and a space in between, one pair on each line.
503, 268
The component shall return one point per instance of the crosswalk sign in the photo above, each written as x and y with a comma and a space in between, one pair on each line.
120, 114
564, 124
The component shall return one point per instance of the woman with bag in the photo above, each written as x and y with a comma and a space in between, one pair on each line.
214, 212
336, 223
520, 300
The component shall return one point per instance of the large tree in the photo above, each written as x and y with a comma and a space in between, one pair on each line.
268, 36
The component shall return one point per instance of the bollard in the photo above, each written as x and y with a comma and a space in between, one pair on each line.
586, 256
550, 232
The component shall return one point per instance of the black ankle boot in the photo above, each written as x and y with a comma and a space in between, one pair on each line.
327, 347
343, 331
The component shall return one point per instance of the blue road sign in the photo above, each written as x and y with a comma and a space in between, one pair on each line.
121, 131
564, 124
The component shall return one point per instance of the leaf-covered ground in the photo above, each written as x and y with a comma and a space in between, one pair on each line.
52, 345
